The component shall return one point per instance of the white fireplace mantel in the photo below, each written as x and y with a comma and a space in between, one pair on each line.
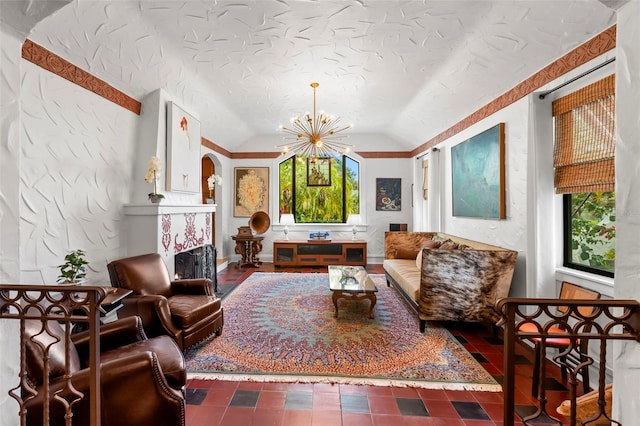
160, 209
167, 229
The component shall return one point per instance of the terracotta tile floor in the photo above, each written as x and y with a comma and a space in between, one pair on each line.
249, 403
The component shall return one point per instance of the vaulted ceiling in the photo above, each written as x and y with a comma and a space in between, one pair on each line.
400, 71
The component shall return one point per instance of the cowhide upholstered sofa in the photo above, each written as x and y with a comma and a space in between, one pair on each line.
448, 278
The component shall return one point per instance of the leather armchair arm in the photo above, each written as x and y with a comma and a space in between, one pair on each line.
193, 286
125, 382
154, 312
112, 335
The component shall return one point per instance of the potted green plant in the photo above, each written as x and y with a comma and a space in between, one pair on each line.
73, 270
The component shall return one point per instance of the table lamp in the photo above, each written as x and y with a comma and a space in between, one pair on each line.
286, 220
354, 220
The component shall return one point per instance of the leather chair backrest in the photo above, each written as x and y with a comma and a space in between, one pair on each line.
40, 337
144, 274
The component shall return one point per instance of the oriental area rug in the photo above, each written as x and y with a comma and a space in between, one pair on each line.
281, 327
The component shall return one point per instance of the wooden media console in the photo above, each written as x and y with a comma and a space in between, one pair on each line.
319, 253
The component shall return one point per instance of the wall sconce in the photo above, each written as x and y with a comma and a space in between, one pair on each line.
286, 220
354, 220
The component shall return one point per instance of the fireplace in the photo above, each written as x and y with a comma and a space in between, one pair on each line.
199, 262
170, 229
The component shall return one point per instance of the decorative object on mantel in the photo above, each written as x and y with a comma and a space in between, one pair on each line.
211, 183
153, 174
73, 270
315, 135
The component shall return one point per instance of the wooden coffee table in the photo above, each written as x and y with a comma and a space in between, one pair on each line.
351, 283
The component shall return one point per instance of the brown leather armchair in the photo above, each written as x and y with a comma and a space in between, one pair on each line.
187, 310
142, 380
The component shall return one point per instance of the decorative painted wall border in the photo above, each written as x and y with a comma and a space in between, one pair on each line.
48, 60
582, 54
587, 51
214, 147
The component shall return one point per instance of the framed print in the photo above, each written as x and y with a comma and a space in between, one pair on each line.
388, 194
251, 190
319, 171
183, 151
477, 168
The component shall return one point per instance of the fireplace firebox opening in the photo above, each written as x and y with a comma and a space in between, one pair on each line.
199, 262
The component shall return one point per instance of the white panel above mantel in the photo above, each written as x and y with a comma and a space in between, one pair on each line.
167, 229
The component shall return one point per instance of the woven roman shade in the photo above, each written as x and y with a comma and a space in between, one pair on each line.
584, 152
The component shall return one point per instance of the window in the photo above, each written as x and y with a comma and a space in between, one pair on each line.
584, 154
590, 232
319, 190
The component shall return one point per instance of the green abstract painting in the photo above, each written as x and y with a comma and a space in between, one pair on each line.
477, 167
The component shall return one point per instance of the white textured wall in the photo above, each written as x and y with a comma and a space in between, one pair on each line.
627, 354
377, 222
75, 174
10, 46
511, 232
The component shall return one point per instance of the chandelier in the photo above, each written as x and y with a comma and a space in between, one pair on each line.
315, 135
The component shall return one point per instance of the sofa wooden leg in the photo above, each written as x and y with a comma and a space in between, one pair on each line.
423, 324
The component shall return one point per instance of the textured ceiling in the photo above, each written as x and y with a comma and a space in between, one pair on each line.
404, 70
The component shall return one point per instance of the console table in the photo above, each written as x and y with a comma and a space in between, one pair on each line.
248, 247
319, 253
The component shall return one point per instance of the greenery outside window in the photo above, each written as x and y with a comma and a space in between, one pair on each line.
590, 232
584, 167
326, 198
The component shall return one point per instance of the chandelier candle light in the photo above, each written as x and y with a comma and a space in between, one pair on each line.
315, 135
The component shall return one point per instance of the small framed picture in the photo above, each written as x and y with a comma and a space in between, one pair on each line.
388, 194
319, 171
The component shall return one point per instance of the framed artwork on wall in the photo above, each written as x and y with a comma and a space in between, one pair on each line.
183, 151
389, 194
477, 169
251, 190
319, 171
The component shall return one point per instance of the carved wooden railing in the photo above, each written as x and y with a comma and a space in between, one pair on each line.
609, 320
68, 305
